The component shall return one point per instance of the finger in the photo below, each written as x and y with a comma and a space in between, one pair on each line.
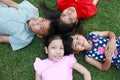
106, 48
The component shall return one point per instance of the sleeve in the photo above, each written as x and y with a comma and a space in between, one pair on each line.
62, 4
29, 9
72, 59
91, 36
17, 43
37, 65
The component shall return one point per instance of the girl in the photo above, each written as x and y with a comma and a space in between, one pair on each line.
102, 48
57, 66
73, 10
20, 22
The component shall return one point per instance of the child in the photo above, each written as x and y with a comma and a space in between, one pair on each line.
20, 22
57, 66
74, 10
102, 48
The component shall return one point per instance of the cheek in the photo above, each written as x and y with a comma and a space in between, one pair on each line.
79, 48
62, 52
74, 17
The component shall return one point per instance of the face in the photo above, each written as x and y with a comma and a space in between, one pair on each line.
55, 51
79, 43
69, 15
40, 26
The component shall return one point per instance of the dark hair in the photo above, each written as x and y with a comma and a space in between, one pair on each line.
61, 28
49, 13
56, 25
48, 39
79, 27
67, 40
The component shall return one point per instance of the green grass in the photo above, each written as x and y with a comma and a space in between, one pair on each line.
18, 65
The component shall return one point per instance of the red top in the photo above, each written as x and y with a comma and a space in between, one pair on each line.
84, 8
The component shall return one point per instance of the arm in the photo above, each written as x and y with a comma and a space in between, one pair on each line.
111, 45
4, 39
37, 77
10, 3
105, 34
81, 69
102, 66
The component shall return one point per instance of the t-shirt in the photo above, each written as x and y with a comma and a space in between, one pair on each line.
84, 8
50, 70
13, 22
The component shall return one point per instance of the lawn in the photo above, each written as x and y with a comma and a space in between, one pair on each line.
18, 65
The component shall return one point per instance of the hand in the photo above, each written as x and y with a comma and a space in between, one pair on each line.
110, 49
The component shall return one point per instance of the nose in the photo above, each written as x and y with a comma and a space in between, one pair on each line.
78, 42
69, 12
39, 21
58, 51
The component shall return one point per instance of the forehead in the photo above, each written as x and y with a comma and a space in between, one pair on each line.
65, 19
46, 27
56, 42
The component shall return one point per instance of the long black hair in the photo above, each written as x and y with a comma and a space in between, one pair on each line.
78, 27
67, 40
56, 25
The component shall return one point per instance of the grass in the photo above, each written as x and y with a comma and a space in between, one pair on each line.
18, 65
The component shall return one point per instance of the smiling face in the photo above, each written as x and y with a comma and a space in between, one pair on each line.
55, 51
79, 43
69, 16
40, 26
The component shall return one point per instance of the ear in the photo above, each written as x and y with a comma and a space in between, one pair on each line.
46, 50
39, 36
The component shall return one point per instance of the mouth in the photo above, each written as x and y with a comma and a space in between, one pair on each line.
32, 22
57, 56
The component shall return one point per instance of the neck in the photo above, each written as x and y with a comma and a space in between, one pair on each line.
89, 45
28, 24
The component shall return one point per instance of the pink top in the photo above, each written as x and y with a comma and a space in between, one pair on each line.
50, 70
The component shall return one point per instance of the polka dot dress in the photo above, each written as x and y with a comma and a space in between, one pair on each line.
98, 49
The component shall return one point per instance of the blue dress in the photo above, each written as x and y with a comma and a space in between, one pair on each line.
97, 51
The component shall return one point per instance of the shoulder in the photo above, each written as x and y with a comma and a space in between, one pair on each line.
29, 8
19, 43
70, 58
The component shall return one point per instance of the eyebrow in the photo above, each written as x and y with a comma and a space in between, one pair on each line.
43, 24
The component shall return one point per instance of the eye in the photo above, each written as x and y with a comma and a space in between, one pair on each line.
53, 47
75, 46
62, 15
43, 19
61, 47
70, 19
77, 38
41, 27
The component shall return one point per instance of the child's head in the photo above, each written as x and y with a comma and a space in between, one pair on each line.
60, 26
76, 27
41, 26
69, 15
74, 42
54, 48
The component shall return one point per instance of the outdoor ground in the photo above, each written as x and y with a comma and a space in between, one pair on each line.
18, 65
